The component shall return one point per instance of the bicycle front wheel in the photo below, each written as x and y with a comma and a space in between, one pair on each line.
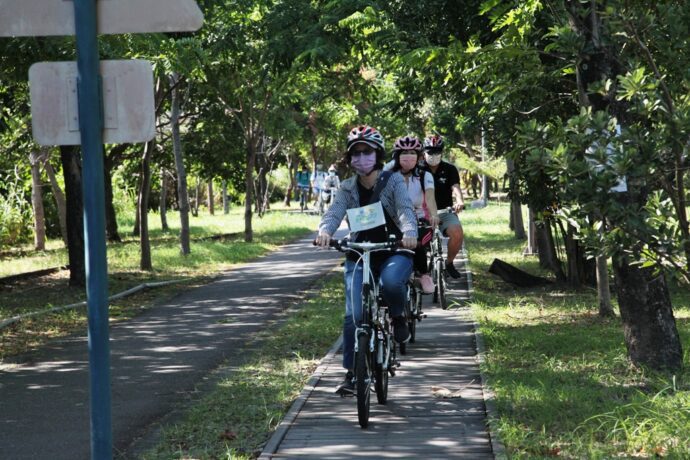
363, 379
380, 369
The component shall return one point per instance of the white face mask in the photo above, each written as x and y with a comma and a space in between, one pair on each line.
432, 160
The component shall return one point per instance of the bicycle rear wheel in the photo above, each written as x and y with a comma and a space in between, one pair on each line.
441, 285
412, 315
434, 276
408, 315
380, 370
363, 379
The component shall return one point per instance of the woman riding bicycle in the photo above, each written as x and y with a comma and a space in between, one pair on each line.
407, 153
365, 153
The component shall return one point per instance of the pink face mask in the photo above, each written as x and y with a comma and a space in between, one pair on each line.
407, 162
363, 164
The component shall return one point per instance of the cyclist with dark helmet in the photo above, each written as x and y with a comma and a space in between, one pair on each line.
365, 154
407, 153
448, 195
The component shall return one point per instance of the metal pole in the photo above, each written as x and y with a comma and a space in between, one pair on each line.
91, 126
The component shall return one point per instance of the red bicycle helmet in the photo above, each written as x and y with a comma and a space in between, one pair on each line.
434, 142
407, 144
367, 135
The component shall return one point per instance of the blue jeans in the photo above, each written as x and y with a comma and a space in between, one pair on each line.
395, 272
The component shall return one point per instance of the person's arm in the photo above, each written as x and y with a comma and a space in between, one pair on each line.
456, 191
430, 197
457, 198
332, 218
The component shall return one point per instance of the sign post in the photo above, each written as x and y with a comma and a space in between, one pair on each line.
86, 19
91, 128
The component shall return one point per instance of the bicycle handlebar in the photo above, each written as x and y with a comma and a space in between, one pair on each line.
345, 244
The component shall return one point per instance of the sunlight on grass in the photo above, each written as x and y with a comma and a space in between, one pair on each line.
562, 380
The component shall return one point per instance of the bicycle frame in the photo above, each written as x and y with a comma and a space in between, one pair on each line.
437, 240
437, 264
371, 314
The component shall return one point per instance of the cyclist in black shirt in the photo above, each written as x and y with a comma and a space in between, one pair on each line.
448, 195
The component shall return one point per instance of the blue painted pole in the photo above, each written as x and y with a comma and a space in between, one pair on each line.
91, 126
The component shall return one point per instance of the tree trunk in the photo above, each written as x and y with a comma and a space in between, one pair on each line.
143, 209
59, 199
195, 207
37, 201
603, 288
260, 188
547, 250
531, 248
164, 201
71, 167
573, 256
292, 172
226, 202
518, 223
111, 230
211, 208
183, 198
249, 187
650, 330
137, 222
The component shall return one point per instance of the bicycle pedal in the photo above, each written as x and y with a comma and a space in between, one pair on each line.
344, 393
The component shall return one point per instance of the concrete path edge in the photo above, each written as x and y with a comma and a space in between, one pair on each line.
274, 441
491, 411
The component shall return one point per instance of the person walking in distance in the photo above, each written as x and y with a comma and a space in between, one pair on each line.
330, 185
448, 195
385, 190
317, 179
302, 179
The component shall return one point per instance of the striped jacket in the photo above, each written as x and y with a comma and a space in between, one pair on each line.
394, 199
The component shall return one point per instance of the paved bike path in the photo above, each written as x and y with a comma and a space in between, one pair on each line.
435, 406
157, 359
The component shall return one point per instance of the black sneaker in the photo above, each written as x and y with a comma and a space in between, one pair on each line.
348, 384
401, 332
451, 270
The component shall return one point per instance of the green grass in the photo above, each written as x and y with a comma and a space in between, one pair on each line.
237, 416
208, 257
562, 381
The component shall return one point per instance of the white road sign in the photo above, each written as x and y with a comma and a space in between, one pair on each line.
26, 18
128, 104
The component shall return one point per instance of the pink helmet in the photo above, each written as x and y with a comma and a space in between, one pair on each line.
434, 142
365, 134
407, 144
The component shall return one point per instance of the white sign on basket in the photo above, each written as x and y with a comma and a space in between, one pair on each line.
366, 217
